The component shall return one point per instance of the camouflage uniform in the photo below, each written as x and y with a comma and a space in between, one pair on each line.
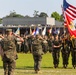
65, 52
18, 45
73, 52
50, 45
56, 52
45, 46
24, 46
30, 43
9, 54
37, 53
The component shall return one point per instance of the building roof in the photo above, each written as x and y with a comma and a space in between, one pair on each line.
58, 24
28, 21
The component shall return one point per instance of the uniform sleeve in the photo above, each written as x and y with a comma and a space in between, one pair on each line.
15, 39
1, 43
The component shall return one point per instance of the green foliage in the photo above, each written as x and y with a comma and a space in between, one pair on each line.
14, 14
36, 13
61, 18
56, 16
27, 16
43, 14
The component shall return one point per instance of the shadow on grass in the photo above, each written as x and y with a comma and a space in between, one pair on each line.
1, 67
46, 67
26, 67
32, 68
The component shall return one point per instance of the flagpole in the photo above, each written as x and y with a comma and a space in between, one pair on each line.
64, 29
30, 30
51, 32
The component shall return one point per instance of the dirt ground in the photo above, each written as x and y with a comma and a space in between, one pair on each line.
44, 72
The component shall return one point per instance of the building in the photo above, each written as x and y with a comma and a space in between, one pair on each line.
26, 23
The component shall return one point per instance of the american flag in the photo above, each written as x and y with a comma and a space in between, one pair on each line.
69, 13
33, 32
69, 10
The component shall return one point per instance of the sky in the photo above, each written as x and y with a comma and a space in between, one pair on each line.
27, 7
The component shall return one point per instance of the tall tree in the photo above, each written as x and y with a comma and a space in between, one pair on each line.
56, 16
43, 14
27, 16
61, 18
36, 13
14, 14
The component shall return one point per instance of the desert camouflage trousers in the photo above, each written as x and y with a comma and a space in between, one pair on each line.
37, 62
9, 67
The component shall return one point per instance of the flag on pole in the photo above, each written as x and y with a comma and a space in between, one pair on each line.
70, 26
37, 31
30, 30
17, 31
64, 31
44, 31
69, 17
57, 31
50, 31
68, 9
33, 32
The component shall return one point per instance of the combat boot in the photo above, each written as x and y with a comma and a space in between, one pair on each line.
39, 72
74, 66
11, 72
65, 66
36, 71
56, 65
6, 72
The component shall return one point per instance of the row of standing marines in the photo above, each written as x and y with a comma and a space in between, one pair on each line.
39, 45
53, 44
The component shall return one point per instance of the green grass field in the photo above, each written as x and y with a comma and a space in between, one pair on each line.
24, 66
